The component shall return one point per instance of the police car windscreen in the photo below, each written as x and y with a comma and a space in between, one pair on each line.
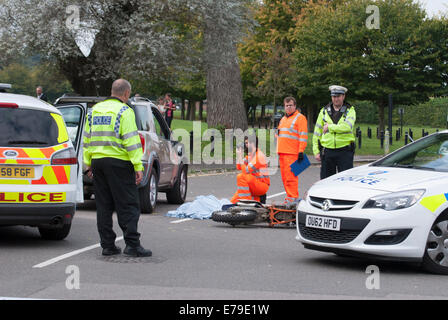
27, 128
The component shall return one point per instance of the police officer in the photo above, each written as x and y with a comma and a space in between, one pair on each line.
113, 152
334, 141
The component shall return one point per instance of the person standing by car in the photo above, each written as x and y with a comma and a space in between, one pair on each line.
334, 141
169, 107
40, 94
253, 181
292, 141
113, 153
161, 105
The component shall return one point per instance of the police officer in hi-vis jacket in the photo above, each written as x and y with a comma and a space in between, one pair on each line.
334, 140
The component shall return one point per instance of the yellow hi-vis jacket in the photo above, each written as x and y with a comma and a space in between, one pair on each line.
339, 134
110, 131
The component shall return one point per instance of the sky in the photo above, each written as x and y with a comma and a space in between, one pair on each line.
434, 7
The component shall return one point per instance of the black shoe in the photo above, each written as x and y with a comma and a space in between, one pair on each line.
111, 251
137, 251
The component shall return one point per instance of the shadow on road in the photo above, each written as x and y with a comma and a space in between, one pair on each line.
350, 263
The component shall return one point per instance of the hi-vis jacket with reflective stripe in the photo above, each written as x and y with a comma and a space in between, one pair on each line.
292, 134
111, 132
339, 135
256, 166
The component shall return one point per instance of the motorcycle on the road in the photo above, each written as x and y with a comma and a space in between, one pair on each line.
249, 212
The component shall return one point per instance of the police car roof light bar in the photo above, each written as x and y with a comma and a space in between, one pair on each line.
8, 105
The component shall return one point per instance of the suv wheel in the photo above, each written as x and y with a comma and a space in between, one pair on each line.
148, 194
55, 233
178, 193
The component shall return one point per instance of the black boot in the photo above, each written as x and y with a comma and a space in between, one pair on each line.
137, 251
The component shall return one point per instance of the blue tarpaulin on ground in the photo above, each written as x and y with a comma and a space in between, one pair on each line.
201, 208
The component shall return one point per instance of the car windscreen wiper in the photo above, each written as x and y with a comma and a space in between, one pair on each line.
26, 142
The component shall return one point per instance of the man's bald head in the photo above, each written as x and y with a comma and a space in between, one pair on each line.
121, 89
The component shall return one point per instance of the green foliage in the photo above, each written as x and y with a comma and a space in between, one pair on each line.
366, 111
267, 67
25, 79
431, 114
406, 56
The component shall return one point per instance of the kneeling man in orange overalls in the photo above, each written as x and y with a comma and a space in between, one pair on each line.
253, 181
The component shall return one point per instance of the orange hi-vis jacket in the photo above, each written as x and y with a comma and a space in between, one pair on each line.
256, 166
292, 134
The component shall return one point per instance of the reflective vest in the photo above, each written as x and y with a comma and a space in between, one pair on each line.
292, 134
339, 135
110, 131
256, 166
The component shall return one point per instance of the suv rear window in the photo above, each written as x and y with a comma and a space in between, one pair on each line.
27, 128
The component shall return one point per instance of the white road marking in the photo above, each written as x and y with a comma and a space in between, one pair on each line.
181, 220
68, 255
14, 298
276, 195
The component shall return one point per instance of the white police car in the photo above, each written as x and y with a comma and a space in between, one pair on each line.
395, 208
38, 166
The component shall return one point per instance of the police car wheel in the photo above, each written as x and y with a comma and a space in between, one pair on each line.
148, 194
435, 259
178, 193
55, 233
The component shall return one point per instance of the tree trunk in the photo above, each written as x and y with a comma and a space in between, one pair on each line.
225, 97
182, 110
225, 105
193, 111
201, 110
188, 110
381, 116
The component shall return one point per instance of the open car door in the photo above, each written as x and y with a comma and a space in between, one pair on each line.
74, 117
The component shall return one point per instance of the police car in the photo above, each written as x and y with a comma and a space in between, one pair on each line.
395, 208
38, 166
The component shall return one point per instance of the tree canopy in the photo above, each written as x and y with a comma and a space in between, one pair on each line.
405, 56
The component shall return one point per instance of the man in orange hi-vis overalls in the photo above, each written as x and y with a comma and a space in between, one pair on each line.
292, 140
253, 181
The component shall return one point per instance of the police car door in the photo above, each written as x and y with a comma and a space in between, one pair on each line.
74, 117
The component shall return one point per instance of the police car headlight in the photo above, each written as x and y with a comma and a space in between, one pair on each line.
395, 201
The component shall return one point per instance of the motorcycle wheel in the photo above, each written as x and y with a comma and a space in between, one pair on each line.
234, 218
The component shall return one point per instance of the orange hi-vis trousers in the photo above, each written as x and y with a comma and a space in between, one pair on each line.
249, 188
290, 181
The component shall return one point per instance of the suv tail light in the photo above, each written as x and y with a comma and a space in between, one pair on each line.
67, 156
142, 140
8, 105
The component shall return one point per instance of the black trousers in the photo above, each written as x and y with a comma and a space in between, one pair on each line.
335, 160
168, 121
115, 190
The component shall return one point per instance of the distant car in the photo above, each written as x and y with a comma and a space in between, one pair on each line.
164, 160
395, 208
38, 166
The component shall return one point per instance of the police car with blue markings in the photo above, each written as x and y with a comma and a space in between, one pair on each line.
393, 209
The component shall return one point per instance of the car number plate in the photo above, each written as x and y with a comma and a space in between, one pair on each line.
16, 172
325, 223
